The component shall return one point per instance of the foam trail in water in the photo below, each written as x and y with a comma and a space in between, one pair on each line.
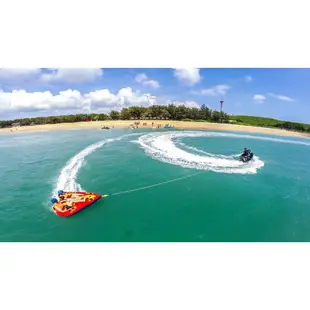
206, 153
67, 178
231, 135
161, 146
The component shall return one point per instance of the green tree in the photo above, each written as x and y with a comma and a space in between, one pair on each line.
125, 114
115, 115
171, 112
216, 116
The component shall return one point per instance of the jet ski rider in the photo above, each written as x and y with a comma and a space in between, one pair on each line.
246, 152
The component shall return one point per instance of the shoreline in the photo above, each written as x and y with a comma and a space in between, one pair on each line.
122, 124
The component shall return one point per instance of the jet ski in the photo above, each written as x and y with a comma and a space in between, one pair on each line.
247, 155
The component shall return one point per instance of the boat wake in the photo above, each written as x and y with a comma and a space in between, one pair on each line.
165, 147
67, 178
169, 148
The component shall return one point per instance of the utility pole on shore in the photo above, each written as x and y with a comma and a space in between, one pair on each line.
221, 102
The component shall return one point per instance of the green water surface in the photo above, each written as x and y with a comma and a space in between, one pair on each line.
271, 205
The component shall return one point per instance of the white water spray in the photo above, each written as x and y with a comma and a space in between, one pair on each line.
163, 146
67, 178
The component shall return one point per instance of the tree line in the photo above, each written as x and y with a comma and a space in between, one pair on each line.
161, 112
156, 112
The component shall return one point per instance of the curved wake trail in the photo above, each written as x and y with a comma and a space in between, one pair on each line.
206, 153
163, 147
67, 178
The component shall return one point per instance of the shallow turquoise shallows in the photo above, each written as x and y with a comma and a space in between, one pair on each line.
187, 186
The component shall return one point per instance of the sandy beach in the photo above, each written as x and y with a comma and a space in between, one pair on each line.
148, 124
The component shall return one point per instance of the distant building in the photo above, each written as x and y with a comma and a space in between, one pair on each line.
16, 125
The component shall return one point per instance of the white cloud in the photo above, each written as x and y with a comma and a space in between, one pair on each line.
144, 80
216, 90
16, 73
140, 78
72, 75
248, 78
281, 97
189, 77
189, 104
22, 101
66, 75
71, 100
259, 98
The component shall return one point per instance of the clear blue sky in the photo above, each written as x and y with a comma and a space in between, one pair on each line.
278, 93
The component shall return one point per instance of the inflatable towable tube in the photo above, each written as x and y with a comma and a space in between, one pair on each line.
70, 203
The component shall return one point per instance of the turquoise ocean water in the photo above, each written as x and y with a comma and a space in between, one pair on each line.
208, 196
